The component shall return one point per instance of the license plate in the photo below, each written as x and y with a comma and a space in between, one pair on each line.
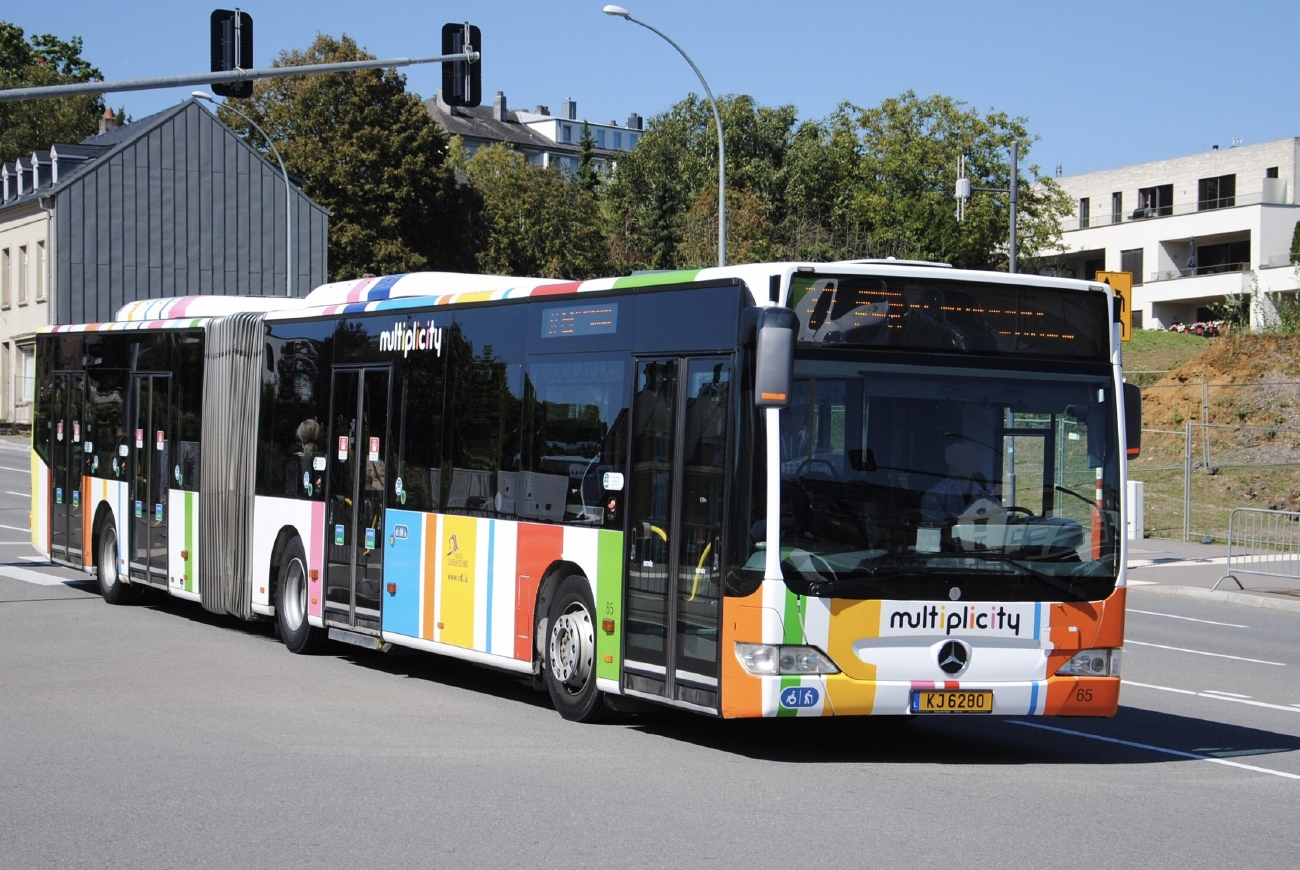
952, 701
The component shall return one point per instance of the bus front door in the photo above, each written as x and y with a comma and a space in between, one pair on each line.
354, 522
148, 475
67, 415
676, 495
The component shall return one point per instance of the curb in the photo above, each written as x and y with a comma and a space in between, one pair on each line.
1239, 599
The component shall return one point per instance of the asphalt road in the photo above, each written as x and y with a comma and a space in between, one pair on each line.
160, 735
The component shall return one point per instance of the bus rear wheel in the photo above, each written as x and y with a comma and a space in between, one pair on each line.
111, 586
570, 653
296, 630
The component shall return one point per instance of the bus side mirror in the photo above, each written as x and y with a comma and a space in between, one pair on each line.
1133, 419
774, 363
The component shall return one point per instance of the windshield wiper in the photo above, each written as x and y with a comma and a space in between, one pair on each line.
1026, 571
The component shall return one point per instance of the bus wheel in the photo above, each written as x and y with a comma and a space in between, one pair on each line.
571, 653
291, 602
110, 585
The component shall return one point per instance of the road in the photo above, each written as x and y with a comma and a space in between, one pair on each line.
161, 735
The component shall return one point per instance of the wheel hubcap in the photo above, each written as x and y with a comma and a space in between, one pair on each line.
295, 595
573, 646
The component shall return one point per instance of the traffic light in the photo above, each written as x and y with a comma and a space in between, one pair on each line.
462, 81
232, 48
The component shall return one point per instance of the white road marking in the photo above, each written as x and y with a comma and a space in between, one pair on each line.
1203, 653
1188, 618
1175, 563
23, 494
1141, 582
1218, 696
1229, 694
1147, 746
19, 470
32, 576
15, 528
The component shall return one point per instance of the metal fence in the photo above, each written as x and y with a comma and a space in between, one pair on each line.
1211, 447
1262, 542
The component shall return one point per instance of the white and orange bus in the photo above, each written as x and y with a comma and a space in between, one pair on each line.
793, 489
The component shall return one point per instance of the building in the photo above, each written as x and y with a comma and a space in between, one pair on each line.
1195, 231
544, 139
174, 204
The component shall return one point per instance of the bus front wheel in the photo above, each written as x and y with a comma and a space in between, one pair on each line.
111, 586
570, 653
296, 631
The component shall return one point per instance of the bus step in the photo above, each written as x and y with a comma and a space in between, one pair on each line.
368, 641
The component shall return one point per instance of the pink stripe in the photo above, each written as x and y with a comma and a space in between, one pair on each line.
358, 291
315, 559
180, 306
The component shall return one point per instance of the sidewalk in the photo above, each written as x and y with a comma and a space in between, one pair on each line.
1189, 570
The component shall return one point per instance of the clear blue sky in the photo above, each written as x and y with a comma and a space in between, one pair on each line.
1102, 83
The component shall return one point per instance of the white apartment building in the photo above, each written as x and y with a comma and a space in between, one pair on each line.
1193, 230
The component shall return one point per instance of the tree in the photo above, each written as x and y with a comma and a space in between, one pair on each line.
370, 153
587, 177
537, 221
31, 125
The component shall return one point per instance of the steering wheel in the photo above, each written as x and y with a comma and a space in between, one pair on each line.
1017, 509
808, 463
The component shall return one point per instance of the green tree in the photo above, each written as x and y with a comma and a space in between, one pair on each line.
370, 153
587, 177
1295, 244
537, 221
31, 125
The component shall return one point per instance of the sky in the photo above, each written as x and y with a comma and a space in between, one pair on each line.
1101, 83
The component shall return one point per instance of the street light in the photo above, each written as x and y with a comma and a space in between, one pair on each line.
288, 191
964, 191
620, 12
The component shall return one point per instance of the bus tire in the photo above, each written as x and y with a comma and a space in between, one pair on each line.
111, 586
296, 630
569, 654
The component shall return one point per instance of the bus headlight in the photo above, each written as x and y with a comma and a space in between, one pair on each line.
771, 660
1092, 663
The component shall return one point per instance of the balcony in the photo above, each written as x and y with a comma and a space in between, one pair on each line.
1196, 271
1098, 219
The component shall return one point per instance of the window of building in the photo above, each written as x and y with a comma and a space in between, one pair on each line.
1220, 192
618, 141
27, 378
1271, 172
1085, 213
600, 138
1155, 201
631, 140
22, 274
566, 133
1116, 207
4, 278
1131, 261
40, 272
1137, 319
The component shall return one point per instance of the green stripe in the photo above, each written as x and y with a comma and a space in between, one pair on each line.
792, 633
189, 541
609, 603
656, 279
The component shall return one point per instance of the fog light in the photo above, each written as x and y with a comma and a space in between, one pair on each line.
770, 660
1092, 663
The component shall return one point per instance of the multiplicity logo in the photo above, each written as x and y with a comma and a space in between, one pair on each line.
415, 336
967, 618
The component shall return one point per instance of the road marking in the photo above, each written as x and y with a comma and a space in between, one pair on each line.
23, 494
32, 576
1142, 582
1147, 746
1218, 696
1188, 618
1229, 694
15, 528
1203, 653
1174, 563
19, 470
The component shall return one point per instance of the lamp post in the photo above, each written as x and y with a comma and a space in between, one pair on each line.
964, 191
288, 190
620, 12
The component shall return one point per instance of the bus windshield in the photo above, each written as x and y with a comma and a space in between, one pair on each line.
939, 482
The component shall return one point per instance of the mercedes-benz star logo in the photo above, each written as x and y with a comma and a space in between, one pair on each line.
954, 657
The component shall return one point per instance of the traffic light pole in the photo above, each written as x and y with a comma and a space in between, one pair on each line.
237, 75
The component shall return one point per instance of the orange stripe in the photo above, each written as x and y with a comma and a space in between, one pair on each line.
742, 620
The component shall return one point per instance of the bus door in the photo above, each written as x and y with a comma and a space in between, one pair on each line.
148, 472
354, 521
676, 496
68, 416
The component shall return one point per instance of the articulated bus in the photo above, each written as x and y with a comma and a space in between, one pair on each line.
793, 489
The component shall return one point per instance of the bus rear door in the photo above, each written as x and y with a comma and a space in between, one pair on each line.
67, 414
149, 474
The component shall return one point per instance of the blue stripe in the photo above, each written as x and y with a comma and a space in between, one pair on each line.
383, 287
1038, 616
492, 540
1033, 698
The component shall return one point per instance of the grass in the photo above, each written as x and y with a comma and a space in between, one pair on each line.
1156, 350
